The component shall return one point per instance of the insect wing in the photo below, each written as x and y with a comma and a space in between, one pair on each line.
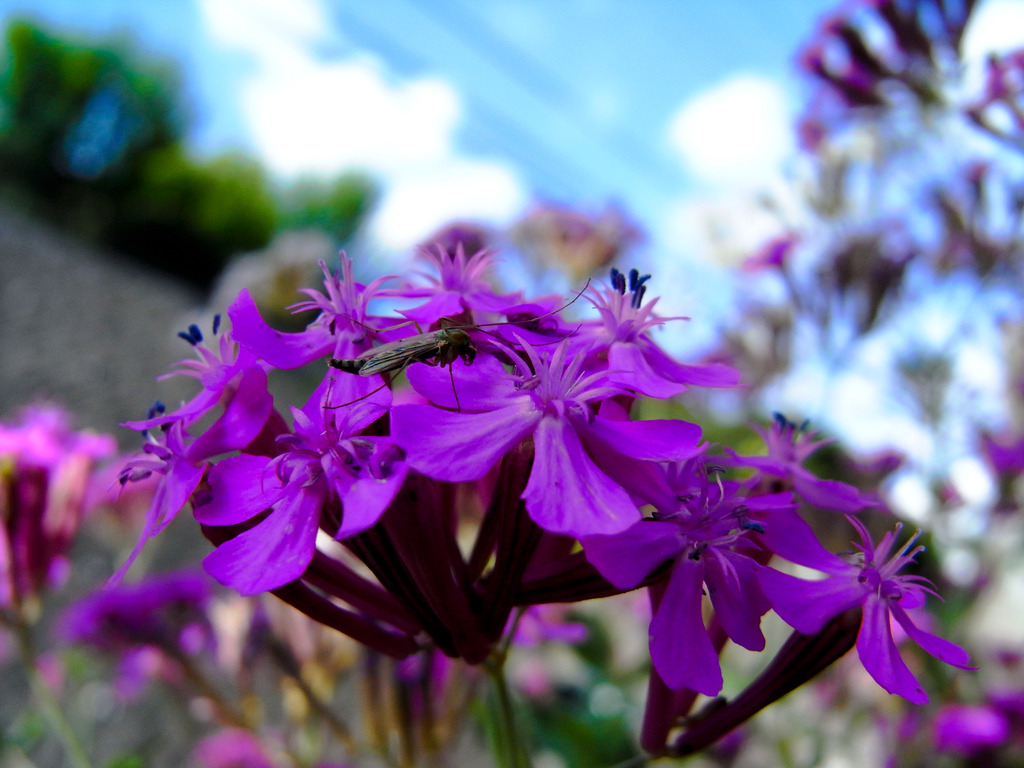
396, 355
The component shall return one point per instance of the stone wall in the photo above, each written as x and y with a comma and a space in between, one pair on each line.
86, 329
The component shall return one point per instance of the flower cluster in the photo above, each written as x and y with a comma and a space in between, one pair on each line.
511, 473
46, 476
872, 54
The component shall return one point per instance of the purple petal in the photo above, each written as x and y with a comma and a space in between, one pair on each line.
737, 597
364, 399
567, 493
366, 500
808, 605
171, 495
281, 350
681, 649
628, 366
940, 648
443, 304
828, 494
204, 400
878, 654
656, 440
483, 386
459, 446
273, 552
787, 535
626, 558
242, 420
704, 375
764, 464
240, 488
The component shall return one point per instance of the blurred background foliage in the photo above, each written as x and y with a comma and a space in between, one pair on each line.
92, 139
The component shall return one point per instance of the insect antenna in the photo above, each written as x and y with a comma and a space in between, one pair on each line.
546, 314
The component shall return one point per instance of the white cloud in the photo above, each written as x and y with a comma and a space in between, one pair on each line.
275, 30
308, 116
738, 132
996, 26
323, 118
418, 203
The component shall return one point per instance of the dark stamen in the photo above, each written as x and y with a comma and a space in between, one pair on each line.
193, 335
216, 323
618, 281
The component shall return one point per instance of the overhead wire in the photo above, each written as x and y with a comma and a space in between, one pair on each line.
560, 176
549, 86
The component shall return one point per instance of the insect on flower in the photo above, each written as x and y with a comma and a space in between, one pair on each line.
441, 347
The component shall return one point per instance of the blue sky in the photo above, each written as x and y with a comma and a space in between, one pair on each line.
477, 107
473, 107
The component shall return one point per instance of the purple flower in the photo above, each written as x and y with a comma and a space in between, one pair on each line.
871, 581
233, 748
341, 329
969, 729
706, 536
1004, 453
324, 461
231, 377
775, 255
558, 406
461, 287
788, 448
578, 243
166, 611
46, 470
548, 623
167, 453
620, 343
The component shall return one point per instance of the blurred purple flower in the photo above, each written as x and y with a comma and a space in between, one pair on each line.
548, 623
773, 255
233, 748
968, 729
162, 611
871, 580
789, 446
46, 472
1004, 453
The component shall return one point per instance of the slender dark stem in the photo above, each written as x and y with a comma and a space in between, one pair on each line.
510, 751
634, 762
228, 712
44, 696
286, 663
